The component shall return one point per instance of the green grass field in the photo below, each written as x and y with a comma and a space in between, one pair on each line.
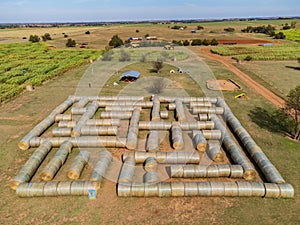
292, 35
286, 51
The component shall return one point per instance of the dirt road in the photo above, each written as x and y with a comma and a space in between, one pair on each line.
255, 86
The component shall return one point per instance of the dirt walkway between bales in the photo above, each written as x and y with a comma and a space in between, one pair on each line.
255, 86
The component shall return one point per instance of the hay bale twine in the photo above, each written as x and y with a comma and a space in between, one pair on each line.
272, 190
231, 189
244, 188
150, 164
138, 189
190, 189
217, 188
124, 189
204, 189
164, 189
151, 190
177, 189
151, 177
286, 190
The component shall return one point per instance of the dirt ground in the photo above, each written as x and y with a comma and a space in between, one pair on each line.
223, 85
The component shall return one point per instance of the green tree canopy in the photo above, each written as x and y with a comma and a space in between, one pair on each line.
115, 41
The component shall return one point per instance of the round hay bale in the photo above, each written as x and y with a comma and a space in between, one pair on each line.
204, 117
236, 171
152, 141
204, 189
200, 171
164, 114
150, 164
161, 157
272, 190
138, 189
176, 171
50, 189
286, 190
214, 152
199, 140
124, 189
64, 188
231, 189
164, 189
258, 189
244, 188
188, 171
190, 189
177, 139
172, 158
127, 170
217, 188
151, 190
178, 189
224, 170
77, 188
23, 189
212, 171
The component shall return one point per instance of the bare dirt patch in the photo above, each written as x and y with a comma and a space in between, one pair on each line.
223, 85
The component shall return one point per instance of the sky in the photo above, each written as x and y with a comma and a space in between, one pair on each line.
24, 11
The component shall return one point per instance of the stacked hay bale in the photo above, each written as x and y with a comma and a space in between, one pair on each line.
133, 131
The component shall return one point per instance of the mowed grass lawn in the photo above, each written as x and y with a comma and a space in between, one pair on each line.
278, 76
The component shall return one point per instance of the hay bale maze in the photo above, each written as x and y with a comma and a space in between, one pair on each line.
167, 147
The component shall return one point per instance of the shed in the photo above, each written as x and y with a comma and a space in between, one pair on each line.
130, 76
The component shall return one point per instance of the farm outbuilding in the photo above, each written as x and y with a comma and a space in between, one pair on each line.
130, 76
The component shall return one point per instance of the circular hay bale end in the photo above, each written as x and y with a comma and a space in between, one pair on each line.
46, 176
73, 175
23, 145
249, 175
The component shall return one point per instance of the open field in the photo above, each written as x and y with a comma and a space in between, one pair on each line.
288, 51
293, 35
19, 115
279, 76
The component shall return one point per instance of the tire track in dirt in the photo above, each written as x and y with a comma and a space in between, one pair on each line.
255, 86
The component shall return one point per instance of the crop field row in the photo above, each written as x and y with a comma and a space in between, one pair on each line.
289, 51
23, 64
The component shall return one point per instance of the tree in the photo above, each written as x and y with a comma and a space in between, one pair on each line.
108, 55
88, 32
293, 108
200, 27
115, 41
206, 42
71, 43
46, 37
158, 85
279, 35
34, 38
186, 43
196, 42
214, 42
137, 31
158, 65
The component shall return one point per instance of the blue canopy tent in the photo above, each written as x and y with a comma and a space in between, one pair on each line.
130, 76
